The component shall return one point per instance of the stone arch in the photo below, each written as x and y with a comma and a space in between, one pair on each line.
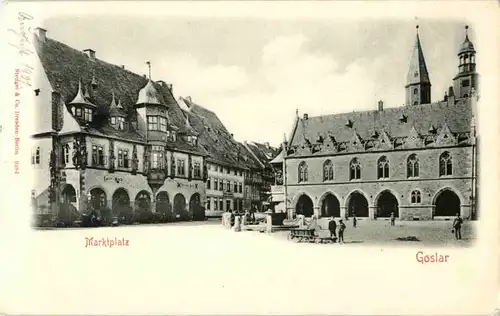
357, 204
304, 205
163, 202
387, 202
143, 200
447, 202
329, 205
68, 194
120, 201
98, 197
179, 205
196, 208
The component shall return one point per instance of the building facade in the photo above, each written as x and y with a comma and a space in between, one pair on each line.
418, 161
109, 138
229, 164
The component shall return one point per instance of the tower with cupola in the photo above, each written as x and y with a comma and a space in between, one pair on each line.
418, 84
466, 79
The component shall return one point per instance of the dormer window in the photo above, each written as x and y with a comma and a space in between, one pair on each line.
118, 122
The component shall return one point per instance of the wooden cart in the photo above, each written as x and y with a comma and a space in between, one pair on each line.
310, 235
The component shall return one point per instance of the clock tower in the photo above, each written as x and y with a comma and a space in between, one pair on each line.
466, 79
418, 84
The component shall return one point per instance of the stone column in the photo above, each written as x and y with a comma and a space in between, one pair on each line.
343, 211
317, 211
372, 211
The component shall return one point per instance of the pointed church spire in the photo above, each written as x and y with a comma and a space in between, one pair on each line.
418, 84
418, 69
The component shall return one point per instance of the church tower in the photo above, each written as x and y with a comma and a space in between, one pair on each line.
418, 84
466, 79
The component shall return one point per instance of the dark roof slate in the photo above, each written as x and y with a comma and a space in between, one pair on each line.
65, 66
216, 139
396, 122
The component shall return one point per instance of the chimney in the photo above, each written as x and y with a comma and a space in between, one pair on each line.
41, 34
232, 135
189, 98
144, 76
123, 66
267, 145
170, 87
445, 96
380, 105
90, 53
451, 96
306, 116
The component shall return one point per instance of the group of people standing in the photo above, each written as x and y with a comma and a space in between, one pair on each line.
332, 226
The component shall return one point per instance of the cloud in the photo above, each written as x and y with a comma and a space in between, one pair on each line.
259, 104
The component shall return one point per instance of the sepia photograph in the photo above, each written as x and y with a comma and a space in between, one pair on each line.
228, 156
117, 147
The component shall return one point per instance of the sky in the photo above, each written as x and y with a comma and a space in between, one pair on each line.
255, 73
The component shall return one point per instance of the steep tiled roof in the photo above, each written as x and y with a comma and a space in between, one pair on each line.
396, 122
263, 152
216, 139
65, 66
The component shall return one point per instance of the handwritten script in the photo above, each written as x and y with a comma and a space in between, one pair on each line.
22, 75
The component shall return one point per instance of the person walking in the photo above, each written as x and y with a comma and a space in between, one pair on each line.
457, 227
332, 227
354, 221
393, 219
341, 231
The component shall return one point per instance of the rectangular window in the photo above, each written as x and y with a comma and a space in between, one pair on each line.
216, 184
216, 205
121, 123
101, 156
123, 159
221, 204
228, 205
221, 185
79, 112
120, 158
66, 153
240, 188
113, 120
181, 170
209, 182
87, 115
97, 155
465, 83
163, 124
197, 170
152, 123
94, 155
235, 187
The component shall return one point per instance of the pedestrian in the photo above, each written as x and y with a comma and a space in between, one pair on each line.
332, 226
233, 217
457, 227
341, 231
354, 221
393, 219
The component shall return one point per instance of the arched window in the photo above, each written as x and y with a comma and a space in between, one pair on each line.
355, 169
416, 197
303, 172
412, 166
383, 168
445, 164
415, 91
328, 170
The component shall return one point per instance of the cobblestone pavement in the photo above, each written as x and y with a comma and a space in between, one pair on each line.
428, 233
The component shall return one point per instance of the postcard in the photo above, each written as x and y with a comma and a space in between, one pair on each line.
235, 157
